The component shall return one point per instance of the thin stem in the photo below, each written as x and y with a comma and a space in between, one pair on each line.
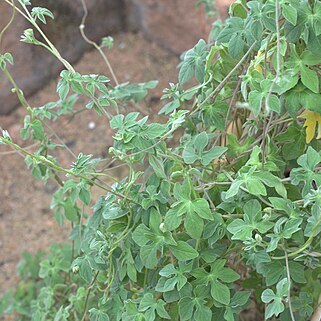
276, 78
145, 277
278, 54
91, 285
80, 228
47, 162
306, 244
115, 245
54, 50
60, 140
223, 82
11, 152
18, 91
9, 23
82, 31
72, 243
212, 184
230, 108
246, 190
232, 216
265, 134
206, 194
150, 147
289, 279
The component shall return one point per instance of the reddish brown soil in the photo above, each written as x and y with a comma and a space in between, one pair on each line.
26, 221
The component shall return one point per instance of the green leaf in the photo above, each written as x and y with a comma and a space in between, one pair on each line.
310, 160
194, 62
160, 309
314, 42
267, 296
150, 314
186, 306
274, 308
84, 196
157, 165
233, 25
98, 315
201, 141
189, 154
186, 72
172, 220
194, 150
112, 212
71, 212
202, 208
293, 32
148, 255
290, 13
228, 275
276, 271
243, 229
301, 96
255, 102
287, 80
203, 313
236, 45
8, 57
170, 107
240, 298
234, 188
155, 130
140, 233
220, 292
309, 59
168, 270
38, 132
214, 153
282, 288
183, 251
149, 306
41, 13
85, 271
255, 187
146, 302
194, 225
62, 314
276, 305
310, 79
63, 89
274, 104
303, 304
239, 230
272, 181
313, 226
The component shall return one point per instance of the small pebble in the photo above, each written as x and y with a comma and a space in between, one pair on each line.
91, 125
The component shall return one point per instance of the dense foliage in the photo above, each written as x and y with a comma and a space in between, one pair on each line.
221, 209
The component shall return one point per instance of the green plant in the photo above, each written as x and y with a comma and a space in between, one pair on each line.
227, 218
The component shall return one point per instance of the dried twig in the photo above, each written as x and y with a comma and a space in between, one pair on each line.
82, 31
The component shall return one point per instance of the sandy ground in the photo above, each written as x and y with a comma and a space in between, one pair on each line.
26, 221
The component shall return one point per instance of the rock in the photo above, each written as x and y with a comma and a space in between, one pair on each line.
222, 7
173, 24
34, 66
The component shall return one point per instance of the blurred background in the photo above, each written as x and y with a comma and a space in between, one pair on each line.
149, 36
